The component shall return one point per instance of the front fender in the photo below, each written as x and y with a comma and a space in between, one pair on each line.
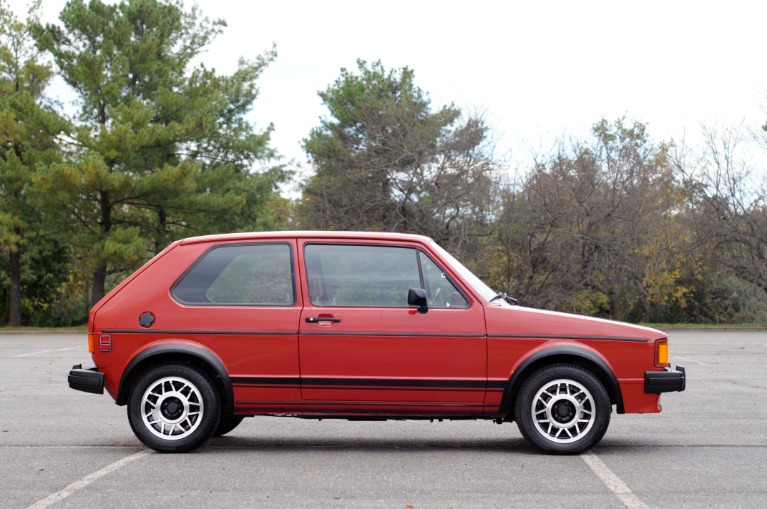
568, 354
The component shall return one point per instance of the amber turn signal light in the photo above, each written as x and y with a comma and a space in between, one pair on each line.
91, 342
661, 353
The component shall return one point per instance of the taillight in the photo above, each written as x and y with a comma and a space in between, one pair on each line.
661, 352
105, 343
91, 342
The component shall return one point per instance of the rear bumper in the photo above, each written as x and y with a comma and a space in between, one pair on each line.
86, 380
670, 380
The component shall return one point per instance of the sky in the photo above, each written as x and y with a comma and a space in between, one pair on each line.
537, 70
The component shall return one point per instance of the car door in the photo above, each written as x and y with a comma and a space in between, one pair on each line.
359, 339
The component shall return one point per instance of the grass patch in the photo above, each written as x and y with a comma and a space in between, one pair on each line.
73, 328
706, 325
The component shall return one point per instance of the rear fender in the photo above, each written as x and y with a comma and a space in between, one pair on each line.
178, 352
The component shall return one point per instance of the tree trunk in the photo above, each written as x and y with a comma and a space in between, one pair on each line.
162, 224
100, 274
14, 315
616, 308
99, 283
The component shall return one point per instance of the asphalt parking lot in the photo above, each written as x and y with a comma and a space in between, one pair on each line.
708, 448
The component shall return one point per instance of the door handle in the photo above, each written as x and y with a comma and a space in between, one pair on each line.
312, 319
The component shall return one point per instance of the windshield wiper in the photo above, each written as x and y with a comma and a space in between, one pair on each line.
504, 296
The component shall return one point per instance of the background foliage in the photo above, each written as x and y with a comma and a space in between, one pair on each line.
161, 147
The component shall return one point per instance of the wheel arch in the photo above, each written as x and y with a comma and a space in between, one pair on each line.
565, 354
198, 356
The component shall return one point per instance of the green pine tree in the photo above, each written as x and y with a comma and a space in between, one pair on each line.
28, 129
161, 146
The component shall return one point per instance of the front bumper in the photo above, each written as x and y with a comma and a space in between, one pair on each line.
669, 380
86, 380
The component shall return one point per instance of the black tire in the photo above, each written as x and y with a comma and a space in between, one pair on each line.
227, 424
563, 409
174, 408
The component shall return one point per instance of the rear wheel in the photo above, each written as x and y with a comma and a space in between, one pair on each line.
174, 408
563, 409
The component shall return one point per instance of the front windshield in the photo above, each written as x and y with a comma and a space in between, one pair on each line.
481, 288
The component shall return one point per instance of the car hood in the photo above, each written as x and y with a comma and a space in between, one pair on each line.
519, 321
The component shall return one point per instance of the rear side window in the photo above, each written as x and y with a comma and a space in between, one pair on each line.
237, 275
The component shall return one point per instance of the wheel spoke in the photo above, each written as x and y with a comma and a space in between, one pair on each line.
563, 411
172, 408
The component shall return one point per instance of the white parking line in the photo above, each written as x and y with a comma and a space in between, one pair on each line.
85, 481
687, 359
613, 482
38, 352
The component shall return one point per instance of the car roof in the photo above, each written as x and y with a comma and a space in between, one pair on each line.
337, 235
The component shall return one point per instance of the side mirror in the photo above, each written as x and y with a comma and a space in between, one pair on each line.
417, 297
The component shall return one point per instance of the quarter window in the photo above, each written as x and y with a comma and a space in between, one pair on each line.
440, 291
255, 275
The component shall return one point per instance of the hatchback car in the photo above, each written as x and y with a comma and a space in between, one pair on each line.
363, 326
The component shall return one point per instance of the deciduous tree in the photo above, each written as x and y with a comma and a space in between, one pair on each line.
584, 224
728, 206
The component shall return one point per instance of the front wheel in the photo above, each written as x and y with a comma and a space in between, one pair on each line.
173, 408
227, 424
563, 409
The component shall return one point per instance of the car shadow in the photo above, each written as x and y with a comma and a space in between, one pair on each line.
517, 445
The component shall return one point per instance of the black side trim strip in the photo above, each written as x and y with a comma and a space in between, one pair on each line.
566, 336
393, 334
257, 380
199, 333
346, 382
358, 403
286, 333
372, 334
431, 389
366, 382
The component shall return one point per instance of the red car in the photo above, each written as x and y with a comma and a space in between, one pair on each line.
354, 326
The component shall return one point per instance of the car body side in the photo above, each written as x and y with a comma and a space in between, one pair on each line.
273, 360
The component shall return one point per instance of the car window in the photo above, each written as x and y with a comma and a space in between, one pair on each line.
376, 276
476, 283
440, 291
354, 275
258, 274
